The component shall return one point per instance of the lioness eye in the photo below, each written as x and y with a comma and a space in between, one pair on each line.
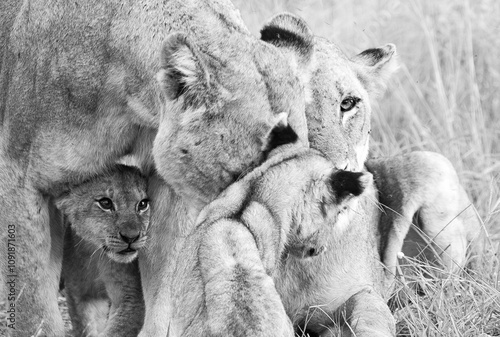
143, 205
105, 203
348, 103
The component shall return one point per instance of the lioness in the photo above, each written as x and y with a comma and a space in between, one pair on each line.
79, 91
108, 217
224, 284
348, 275
338, 93
338, 116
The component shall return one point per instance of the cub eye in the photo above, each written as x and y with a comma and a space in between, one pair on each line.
348, 103
105, 203
143, 205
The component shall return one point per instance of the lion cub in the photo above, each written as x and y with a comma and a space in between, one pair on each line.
108, 217
424, 185
225, 286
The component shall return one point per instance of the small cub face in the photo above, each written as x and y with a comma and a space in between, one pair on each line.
110, 212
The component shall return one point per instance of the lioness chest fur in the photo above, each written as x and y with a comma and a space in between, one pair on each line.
224, 285
108, 217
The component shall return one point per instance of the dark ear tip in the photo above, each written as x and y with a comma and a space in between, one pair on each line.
288, 21
374, 56
281, 135
345, 183
288, 30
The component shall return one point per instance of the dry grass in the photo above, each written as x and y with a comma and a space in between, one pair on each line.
428, 304
445, 98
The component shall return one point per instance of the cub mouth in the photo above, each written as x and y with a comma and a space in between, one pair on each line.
127, 251
126, 255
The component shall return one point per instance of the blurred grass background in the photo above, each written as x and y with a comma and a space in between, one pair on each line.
445, 98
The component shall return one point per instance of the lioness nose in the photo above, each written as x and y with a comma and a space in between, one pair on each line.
130, 236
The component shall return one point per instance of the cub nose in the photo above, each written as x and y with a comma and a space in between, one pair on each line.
130, 236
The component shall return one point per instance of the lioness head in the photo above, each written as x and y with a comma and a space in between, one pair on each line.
338, 89
110, 212
224, 106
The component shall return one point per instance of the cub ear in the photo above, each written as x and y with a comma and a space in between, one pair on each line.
290, 32
375, 67
281, 133
183, 72
346, 184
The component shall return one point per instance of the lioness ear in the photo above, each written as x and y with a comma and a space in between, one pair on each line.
346, 184
376, 65
183, 71
290, 32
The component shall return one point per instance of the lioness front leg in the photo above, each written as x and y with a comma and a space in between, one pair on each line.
31, 264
